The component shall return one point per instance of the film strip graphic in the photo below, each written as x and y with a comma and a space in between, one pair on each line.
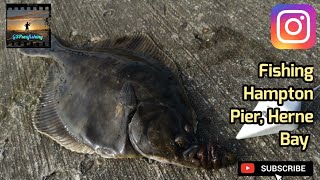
28, 25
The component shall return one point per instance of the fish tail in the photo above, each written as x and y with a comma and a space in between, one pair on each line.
42, 52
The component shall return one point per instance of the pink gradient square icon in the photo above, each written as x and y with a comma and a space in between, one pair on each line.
293, 26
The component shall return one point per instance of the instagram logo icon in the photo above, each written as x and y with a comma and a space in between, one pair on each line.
293, 26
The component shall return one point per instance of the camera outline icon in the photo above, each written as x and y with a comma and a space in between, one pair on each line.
308, 27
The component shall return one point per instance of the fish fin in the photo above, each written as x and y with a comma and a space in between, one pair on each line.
126, 108
142, 43
112, 141
42, 52
48, 122
127, 96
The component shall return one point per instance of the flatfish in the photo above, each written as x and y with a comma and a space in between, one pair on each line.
122, 98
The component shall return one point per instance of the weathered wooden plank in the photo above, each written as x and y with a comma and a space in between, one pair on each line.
217, 45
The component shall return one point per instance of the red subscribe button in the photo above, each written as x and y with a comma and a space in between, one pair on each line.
271, 168
247, 168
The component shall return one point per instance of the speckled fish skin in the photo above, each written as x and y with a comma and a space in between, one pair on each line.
121, 103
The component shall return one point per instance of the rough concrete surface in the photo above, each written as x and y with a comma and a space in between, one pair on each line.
217, 46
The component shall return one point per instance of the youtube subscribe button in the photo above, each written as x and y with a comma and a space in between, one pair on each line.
270, 168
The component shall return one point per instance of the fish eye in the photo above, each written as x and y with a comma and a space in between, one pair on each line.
182, 141
188, 128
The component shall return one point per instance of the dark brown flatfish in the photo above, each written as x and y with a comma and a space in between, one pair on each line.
121, 99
